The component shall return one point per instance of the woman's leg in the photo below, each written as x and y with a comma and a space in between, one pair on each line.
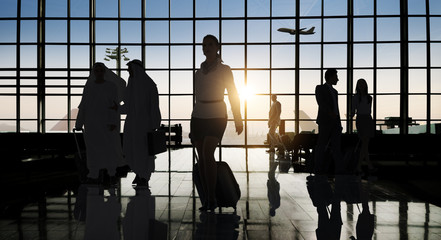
210, 169
201, 167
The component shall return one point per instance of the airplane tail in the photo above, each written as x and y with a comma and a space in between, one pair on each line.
311, 30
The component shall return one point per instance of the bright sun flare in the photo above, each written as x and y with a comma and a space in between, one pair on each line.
246, 93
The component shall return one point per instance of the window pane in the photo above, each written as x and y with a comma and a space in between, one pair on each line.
28, 8
388, 29
258, 82
310, 8
106, 32
7, 108
335, 7
106, 8
282, 81
100, 55
8, 56
56, 31
156, 9
156, 31
288, 106
9, 8
9, 31
308, 107
181, 57
28, 56
435, 25
133, 52
28, 31
258, 31
388, 7
233, 55
435, 106
310, 56
156, 56
79, 56
309, 79
435, 82
130, 31
258, 56
283, 8
181, 107
56, 8
131, 8
417, 28
388, 55
388, 81
283, 56
161, 80
363, 7
416, 7
335, 30
435, 6
56, 107
435, 53
181, 8
417, 107
417, 81
182, 82
417, 55
363, 29
28, 107
79, 8
258, 8
363, 55
388, 106
181, 31
207, 8
258, 107
233, 8
334, 56
79, 31
257, 131
233, 31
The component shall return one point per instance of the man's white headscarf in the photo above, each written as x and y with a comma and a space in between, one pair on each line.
111, 77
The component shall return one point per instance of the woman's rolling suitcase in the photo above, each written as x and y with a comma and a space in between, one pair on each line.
227, 188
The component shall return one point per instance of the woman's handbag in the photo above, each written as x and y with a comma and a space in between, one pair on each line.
157, 142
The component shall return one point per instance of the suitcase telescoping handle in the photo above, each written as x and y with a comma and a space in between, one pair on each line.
75, 130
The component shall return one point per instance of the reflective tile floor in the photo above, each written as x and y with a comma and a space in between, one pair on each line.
273, 205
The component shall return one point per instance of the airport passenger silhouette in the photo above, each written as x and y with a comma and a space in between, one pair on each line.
328, 120
209, 116
362, 105
141, 104
98, 113
274, 122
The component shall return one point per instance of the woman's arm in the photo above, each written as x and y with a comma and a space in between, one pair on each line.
233, 96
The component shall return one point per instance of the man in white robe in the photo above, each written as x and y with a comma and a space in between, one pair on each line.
141, 104
98, 113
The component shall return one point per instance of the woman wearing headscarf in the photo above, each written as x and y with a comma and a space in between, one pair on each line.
141, 104
98, 113
209, 116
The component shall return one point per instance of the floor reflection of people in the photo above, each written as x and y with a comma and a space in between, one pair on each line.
217, 226
140, 212
102, 215
273, 187
98, 113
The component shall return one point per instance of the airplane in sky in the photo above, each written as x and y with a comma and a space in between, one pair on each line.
294, 31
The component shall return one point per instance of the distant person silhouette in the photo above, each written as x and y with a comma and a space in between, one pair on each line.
141, 104
274, 122
329, 122
98, 113
209, 116
362, 105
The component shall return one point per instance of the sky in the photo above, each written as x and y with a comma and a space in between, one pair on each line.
233, 31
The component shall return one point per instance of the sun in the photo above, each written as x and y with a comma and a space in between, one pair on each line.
246, 93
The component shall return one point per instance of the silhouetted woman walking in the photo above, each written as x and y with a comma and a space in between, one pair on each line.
209, 116
362, 105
